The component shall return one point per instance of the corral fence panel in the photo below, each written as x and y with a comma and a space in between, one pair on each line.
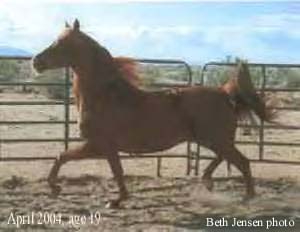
193, 154
264, 88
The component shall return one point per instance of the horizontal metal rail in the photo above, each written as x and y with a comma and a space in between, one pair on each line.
39, 140
26, 103
35, 122
280, 89
25, 83
267, 143
44, 158
273, 127
123, 156
76, 139
267, 89
273, 65
266, 161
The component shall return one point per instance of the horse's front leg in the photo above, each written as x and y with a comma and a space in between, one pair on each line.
114, 161
84, 151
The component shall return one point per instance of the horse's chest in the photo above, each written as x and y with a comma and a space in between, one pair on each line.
97, 120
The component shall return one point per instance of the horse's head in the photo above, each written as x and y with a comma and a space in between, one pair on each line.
62, 52
85, 56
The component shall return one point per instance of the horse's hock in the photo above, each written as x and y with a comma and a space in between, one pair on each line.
32, 120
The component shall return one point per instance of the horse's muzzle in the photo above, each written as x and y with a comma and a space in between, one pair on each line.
38, 64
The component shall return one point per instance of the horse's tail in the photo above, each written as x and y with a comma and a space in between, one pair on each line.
243, 95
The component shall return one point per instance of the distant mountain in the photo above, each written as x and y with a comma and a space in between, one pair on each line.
11, 51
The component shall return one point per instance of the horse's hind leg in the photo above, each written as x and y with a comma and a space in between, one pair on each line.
234, 156
207, 176
81, 152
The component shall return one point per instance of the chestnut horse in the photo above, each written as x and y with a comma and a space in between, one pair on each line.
115, 115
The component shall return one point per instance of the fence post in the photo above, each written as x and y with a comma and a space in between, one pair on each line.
158, 173
189, 157
67, 107
261, 127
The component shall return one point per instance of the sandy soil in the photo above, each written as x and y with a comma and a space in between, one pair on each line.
165, 204
173, 202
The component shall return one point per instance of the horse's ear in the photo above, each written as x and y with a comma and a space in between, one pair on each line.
67, 25
76, 25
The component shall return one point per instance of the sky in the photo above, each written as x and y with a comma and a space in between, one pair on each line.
194, 31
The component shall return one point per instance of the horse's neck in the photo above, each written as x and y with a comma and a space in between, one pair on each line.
95, 82
76, 90
84, 86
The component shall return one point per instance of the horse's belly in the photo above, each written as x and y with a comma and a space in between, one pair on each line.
152, 136
155, 125
150, 146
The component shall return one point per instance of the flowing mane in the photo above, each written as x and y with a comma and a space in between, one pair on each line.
119, 73
127, 66
128, 69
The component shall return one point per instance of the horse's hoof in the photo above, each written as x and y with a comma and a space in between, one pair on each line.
209, 184
55, 190
113, 204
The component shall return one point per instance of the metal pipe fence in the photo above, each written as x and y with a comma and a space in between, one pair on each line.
192, 156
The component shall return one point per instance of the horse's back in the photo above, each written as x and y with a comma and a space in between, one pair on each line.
209, 111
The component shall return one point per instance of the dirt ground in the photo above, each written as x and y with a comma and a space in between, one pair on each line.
173, 202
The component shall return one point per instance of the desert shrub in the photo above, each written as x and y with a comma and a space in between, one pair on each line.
284, 77
52, 91
9, 70
293, 79
153, 74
